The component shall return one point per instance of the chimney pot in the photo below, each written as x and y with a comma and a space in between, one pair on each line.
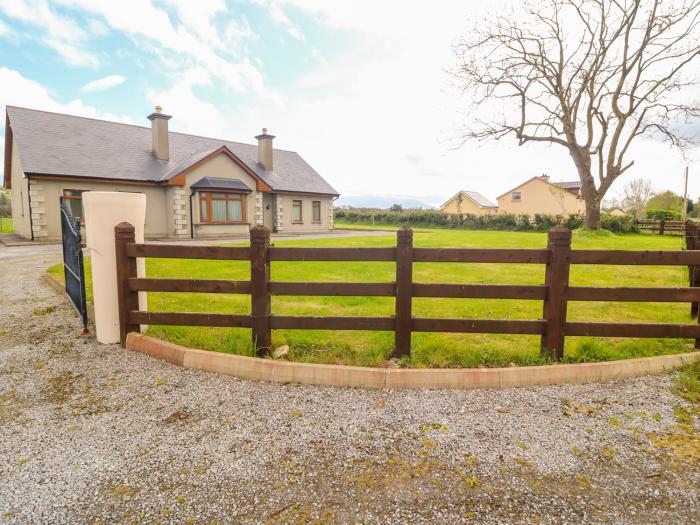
159, 109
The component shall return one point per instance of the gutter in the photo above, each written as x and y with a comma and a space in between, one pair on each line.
29, 197
191, 217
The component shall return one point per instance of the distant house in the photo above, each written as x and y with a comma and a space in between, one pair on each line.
194, 186
469, 202
540, 195
617, 212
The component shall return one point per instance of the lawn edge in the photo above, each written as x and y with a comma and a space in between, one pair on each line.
60, 288
274, 371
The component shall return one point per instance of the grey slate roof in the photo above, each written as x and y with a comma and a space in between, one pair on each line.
475, 196
57, 144
568, 184
480, 199
215, 183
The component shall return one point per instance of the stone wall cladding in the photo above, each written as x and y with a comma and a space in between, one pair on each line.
259, 208
279, 222
38, 211
180, 212
330, 214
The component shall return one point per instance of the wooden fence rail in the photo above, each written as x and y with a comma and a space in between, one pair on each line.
555, 293
662, 227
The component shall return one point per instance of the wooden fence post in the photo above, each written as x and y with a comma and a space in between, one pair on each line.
557, 283
259, 288
691, 243
662, 226
124, 233
404, 291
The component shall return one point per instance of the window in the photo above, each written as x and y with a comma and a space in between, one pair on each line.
74, 202
221, 207
516, 196
296, 212
317, 211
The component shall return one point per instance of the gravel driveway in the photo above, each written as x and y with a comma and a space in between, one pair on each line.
98, 434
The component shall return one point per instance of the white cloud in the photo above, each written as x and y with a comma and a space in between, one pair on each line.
198, 17
276, 11
61, 33
190, 114
143, 21
102, 84
18, 90
364, 118
4, 29
236, 33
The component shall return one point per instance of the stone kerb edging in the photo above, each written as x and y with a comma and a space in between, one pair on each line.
275, 371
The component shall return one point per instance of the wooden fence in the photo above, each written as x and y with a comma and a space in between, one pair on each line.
662, 227
555, 293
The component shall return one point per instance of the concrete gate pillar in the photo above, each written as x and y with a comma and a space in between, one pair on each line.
103, 211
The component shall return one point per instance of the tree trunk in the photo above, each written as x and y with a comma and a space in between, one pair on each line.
590, 194
592, 219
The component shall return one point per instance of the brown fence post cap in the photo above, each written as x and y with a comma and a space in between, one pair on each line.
124, 227
405, 232
124, 230
560, 233
259, 230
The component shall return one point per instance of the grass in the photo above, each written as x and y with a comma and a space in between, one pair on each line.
6, 225
687, 385
429, 350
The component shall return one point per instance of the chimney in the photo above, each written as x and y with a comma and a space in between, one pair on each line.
545, 177
265, 150
159, 133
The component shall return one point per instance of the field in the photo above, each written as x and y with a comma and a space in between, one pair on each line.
429, 350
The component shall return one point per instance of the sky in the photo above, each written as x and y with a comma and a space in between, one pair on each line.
360, 89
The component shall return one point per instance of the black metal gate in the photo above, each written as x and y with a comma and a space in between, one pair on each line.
73, 268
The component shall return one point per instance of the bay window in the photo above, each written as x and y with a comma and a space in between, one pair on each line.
218, 207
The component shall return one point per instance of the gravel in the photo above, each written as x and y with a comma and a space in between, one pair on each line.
97, 434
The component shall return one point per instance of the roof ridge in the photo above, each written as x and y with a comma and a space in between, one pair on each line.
76, 116
137, 126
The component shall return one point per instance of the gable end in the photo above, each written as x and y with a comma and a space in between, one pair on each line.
180, 178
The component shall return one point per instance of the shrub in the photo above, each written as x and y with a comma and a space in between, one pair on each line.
467, 221
664, 215
615, 224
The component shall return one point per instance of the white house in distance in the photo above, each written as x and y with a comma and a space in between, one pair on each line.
195, 187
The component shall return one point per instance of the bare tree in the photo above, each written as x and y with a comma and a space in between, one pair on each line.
636, 195
588, 75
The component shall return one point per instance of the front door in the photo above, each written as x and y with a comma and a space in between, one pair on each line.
268, 208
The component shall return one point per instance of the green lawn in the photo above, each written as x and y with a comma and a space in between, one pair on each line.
6, 225
433, 350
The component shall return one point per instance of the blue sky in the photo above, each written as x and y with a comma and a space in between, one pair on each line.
358, 88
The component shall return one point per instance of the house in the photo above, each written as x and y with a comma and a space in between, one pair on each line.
539, 195
195, 187
469, 202
617, 212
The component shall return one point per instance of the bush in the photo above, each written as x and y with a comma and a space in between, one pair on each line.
664, 215
615, 224
500, 221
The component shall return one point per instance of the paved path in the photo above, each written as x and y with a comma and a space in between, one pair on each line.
98, 434
276, 237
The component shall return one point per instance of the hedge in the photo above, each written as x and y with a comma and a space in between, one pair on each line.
501, 221
664, 215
